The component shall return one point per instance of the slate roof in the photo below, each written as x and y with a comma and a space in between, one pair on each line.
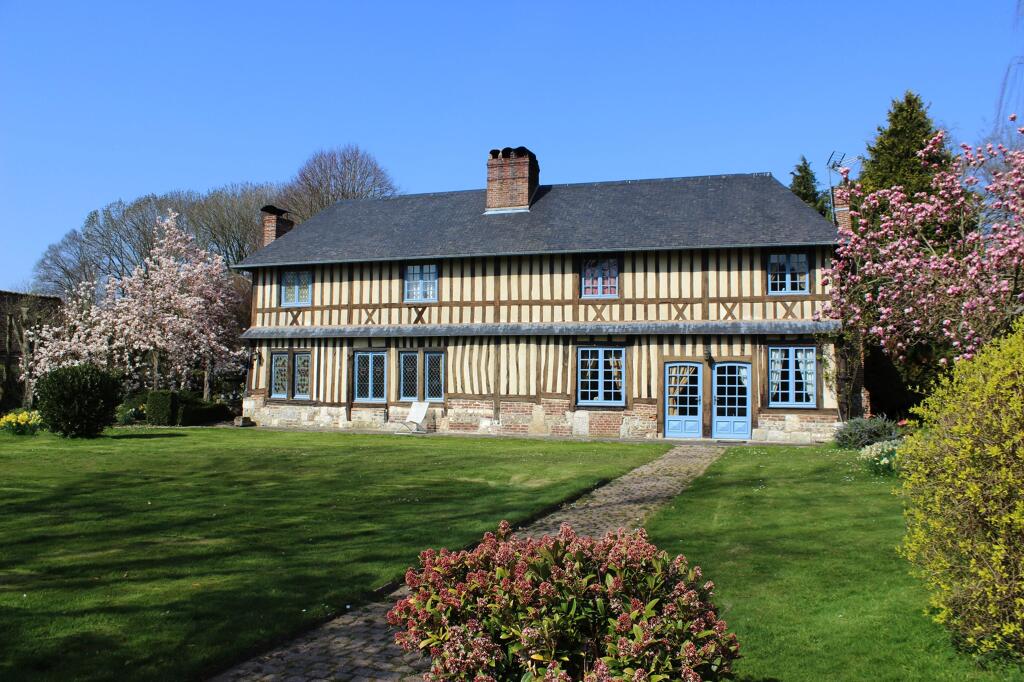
747, 210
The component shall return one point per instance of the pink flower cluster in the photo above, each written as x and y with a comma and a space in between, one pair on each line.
563, 607
942, 269
172, 315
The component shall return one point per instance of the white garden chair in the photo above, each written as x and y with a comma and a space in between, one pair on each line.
416, 418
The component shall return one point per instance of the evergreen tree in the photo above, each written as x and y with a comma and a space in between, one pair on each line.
892, 157
805, 186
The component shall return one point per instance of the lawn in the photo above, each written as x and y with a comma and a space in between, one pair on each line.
169, 554
801, 543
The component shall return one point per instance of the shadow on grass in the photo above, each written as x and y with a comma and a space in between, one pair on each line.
145, 436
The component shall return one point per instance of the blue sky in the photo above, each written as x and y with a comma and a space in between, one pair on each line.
101, 101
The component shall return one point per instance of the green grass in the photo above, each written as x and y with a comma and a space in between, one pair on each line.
801, 544
169, 554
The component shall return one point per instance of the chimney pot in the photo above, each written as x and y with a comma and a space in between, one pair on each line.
513, 176
275, 225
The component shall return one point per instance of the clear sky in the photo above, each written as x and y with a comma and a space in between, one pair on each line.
108, 100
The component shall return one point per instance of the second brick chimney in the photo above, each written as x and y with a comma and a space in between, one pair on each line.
275, 225
841, 211
512, 177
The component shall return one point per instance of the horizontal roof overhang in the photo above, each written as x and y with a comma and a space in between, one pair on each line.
546, 329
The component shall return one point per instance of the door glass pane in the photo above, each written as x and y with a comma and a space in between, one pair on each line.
303, 364
434, 376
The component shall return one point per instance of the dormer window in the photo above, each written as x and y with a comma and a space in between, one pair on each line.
599, 278
296, 288
788, 273
421, 283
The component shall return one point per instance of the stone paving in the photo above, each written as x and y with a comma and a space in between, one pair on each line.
359, 645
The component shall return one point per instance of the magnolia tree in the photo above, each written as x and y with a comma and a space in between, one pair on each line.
939, 271
168, 318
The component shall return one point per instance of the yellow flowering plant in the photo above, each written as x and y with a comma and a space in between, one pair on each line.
21, 422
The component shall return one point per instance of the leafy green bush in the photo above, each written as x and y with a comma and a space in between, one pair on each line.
880, 458
79, 401
21, 422
860, 432
201, 412
162, 408
963, 477
132, 409
563, 608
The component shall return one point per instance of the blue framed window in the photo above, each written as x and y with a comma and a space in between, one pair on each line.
792, 376
279, 375
370, 375
788, 273
408, 376
301, 376
421, 283
296, 288
599, 278
433, 376
601, 376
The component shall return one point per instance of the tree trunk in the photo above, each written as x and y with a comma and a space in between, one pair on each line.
156, 370
207, 379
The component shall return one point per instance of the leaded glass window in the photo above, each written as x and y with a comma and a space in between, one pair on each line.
788, 273
599, 278
434, 376
792, 376
370, 376
601, 376
278, 375
421, 282
296, 288
303, 367
408, 376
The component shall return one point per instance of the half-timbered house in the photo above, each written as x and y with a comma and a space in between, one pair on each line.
676, 308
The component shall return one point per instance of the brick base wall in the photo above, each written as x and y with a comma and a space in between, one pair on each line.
549, 417
795, 428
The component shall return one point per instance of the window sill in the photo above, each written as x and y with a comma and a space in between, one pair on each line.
805, 292
780, 406
602, 297
296, 305
413, 301
600, 406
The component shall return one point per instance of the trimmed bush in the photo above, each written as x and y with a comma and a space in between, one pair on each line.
162, 408
200, 413
21, 423
861, 432
963, 477
563, 608
78, 401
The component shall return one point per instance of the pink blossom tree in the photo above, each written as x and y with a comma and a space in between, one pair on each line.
933, 276
170, 317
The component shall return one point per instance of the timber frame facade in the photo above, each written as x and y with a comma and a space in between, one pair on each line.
715, 335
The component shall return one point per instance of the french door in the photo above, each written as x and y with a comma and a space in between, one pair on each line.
683, 399
730, 414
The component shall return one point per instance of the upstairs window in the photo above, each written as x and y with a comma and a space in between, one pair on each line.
421, 283
788, 273
792, 376
599, 278
296, 288
370, 376
601, 376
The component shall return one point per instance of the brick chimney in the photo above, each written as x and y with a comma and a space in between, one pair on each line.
512, 178
274, 223
841, 211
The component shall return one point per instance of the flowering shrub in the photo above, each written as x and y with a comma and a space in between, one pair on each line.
963, 473
21, 423
863, 431
881, 457
563, 608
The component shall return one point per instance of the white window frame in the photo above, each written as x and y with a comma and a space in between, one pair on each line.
419, 283
291, 281
791, 355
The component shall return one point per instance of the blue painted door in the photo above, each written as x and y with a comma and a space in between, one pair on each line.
730, 414
683, 404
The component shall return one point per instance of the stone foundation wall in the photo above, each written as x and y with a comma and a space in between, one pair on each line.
549, 417
795, 428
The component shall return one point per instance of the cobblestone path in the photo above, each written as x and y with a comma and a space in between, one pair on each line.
359, 646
